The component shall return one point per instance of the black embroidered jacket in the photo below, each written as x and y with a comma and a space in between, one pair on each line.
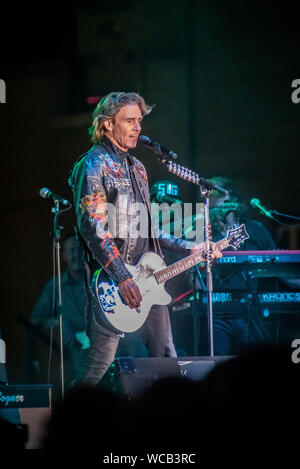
103, 199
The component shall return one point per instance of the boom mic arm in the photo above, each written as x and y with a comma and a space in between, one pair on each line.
191, 176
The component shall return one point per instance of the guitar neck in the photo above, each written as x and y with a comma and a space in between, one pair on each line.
222, 244
184, 264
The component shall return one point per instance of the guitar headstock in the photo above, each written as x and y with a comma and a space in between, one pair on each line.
237, 236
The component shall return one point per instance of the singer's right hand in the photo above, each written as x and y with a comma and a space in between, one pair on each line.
131, 293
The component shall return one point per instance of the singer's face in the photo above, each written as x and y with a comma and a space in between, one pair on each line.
125, 127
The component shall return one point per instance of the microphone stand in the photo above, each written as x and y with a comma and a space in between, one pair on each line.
205, 192
57, 231
205, 188
196, 315
197, 307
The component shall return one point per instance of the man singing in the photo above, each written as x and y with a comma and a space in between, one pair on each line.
108, 175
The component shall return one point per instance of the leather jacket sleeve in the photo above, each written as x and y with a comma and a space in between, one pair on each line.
90, 205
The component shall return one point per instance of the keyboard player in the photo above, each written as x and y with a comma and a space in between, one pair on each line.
235, 332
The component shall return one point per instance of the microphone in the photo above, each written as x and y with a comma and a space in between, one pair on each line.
159, 149
256, 204
213, 186
47, 194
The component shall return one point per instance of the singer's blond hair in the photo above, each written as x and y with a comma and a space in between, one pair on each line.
109, 106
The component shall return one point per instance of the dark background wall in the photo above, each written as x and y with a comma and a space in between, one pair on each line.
220, 74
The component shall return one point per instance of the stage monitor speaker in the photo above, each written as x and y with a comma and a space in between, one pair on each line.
132, 376
28, 405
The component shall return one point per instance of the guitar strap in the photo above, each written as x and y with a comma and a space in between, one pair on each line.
146, 201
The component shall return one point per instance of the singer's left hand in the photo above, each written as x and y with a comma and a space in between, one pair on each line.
214, 251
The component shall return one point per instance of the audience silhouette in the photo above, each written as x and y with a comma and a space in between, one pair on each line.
248, 401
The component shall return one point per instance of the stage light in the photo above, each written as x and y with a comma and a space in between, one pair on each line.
93, 99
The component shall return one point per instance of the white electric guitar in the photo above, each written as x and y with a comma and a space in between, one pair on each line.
150, 275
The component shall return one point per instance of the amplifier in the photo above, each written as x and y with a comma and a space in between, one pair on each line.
27, 405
